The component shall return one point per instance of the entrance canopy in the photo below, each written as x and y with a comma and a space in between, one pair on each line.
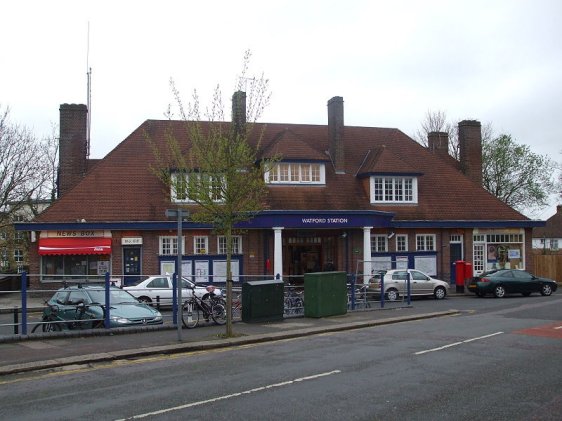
99, 245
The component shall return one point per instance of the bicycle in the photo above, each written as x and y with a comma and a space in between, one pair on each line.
53, 322
237, 305
210, 307
293, 301
360, 298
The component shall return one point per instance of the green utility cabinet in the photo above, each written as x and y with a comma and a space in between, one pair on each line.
262, 301
325, 294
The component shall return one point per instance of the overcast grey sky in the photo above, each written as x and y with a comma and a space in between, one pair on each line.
391, 61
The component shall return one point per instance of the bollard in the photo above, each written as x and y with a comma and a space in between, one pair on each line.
408, 280
175, 300
16, 321
24, 303
158, 302
107, 303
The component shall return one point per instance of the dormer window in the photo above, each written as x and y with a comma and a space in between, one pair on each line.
181, 186
389, 189
296, 173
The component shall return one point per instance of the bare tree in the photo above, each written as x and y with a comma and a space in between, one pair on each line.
436, 121
22, 167
216, 168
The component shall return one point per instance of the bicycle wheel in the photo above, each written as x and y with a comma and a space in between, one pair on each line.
51, 327
190, 314
218, 312
298, 305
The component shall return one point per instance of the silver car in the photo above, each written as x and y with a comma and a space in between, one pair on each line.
395, 285
159, 289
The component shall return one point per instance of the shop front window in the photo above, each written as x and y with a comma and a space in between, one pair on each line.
74, 267
498, 250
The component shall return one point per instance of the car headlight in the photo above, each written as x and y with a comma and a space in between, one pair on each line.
120, 320
157, 318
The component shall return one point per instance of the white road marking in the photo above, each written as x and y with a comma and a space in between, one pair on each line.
558, 327
233, 395
457, 343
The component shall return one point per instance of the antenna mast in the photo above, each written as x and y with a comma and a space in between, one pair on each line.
88, 95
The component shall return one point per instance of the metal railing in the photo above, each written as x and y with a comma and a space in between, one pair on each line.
23, 313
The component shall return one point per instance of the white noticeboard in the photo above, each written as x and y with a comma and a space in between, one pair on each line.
201, 271
187, 268
381, 263
219, 270
426, 264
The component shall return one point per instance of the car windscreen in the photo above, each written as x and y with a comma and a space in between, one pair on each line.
117, 296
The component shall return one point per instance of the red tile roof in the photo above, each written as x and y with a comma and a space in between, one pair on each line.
123, 187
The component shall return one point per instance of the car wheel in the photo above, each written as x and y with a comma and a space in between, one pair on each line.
439, 293
145, 300
546, 289
392, 294
499, 291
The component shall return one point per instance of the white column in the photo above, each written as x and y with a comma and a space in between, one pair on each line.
277, 253
367, 264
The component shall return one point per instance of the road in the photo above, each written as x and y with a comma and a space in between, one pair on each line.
497, 360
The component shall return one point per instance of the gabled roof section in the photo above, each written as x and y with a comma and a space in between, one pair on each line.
383, 161
289, 146
553, 227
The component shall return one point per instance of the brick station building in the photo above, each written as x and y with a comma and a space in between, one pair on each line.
346, 198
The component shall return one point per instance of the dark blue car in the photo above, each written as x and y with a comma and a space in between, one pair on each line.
510, 281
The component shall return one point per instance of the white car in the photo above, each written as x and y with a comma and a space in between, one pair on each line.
395, 285
159, 288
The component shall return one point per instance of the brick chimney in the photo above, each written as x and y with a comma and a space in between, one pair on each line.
72, 146
438, 143
336, 133
239, 112
470, 147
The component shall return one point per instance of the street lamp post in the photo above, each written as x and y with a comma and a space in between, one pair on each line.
179, 214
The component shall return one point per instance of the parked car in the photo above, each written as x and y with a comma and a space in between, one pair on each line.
395, 284
156, 288
87, 302
507, 281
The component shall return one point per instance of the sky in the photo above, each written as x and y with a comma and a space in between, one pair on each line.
495, 61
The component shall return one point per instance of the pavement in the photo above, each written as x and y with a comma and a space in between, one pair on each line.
42, 351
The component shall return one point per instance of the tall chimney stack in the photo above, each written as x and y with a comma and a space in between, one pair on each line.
73, 145
336, 133
239, 113
438, 143
470, 145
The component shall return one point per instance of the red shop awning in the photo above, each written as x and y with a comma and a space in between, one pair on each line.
94, 245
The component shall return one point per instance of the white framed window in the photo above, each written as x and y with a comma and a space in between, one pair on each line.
200, 244
379, 243
394, 189
18, 255
554, 244
236, 244
296, 173
401, 242
425, 242
180, 187
3, 235
478, 258
168, 245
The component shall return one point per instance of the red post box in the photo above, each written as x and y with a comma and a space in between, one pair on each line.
460, 274
468, 271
